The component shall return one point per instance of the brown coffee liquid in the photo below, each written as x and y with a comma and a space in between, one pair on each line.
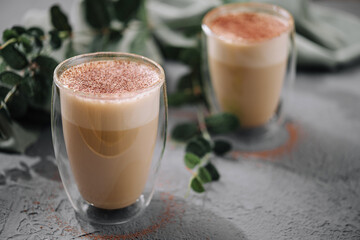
247, 62
110, 142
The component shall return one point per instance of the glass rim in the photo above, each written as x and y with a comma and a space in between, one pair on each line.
250, 6
105, 56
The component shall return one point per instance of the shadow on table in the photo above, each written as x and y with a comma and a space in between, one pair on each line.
167, 217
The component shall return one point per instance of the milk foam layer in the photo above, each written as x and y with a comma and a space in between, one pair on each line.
110, 115
235, 50
116, 78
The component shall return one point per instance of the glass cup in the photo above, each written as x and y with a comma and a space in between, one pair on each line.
249, 78
109, 147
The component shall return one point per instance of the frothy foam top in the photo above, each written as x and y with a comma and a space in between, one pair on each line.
110, 77
249, 26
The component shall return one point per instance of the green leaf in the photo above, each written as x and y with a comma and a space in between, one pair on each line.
19, 29
58, 19
8, 34
184, 131
47, 66
185, 82
98, 43
125, 10
221, 147
196, 185
16, 104
96, 14
204, 175
215, 176
27, 86
221, 123
35, 32
13, 57
191, 160
138, 45
13, 137
142, 12
181, 98
26, 43
42, 93
69, 50
191, 56
55, 40
9, 79
198, 146
138, 39
38, 42
2, 65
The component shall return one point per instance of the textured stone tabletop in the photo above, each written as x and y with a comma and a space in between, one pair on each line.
307, 189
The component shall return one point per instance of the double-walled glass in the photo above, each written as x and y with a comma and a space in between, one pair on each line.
248, 78
109, 146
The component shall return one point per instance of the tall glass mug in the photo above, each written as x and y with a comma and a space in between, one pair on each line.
249, 59
109, 120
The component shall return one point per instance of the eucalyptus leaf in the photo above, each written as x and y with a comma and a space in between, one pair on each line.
173, 38
191, 56
13, 57
42, 93
38, 42
19, 29
35, 32
138, 39
198, 146
138, 44
142, 13
185, 82
215, 176
2, 65
191, 160
58, 19
204, 175
196, 185
184, 131
13, 137
96, 14
42, 82
26, 43
221, 123
8, 34
98, 43
221, 147
70, 50
55, 40
47, 66
27, 86
16, 104
9, 79
181, 98
125, 10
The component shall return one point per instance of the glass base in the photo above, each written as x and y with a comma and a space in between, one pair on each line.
267, 137
93, 214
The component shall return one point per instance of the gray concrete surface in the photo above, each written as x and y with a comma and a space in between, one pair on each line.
309, 191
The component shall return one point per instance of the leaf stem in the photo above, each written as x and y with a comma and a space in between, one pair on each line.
10, 41
8, 96
202, 124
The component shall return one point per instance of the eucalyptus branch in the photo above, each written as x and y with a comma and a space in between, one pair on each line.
8, 42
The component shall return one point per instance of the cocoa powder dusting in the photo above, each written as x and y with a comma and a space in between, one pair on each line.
110, 77
248, 26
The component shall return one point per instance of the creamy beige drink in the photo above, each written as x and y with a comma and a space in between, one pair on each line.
110, 139
247, 57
